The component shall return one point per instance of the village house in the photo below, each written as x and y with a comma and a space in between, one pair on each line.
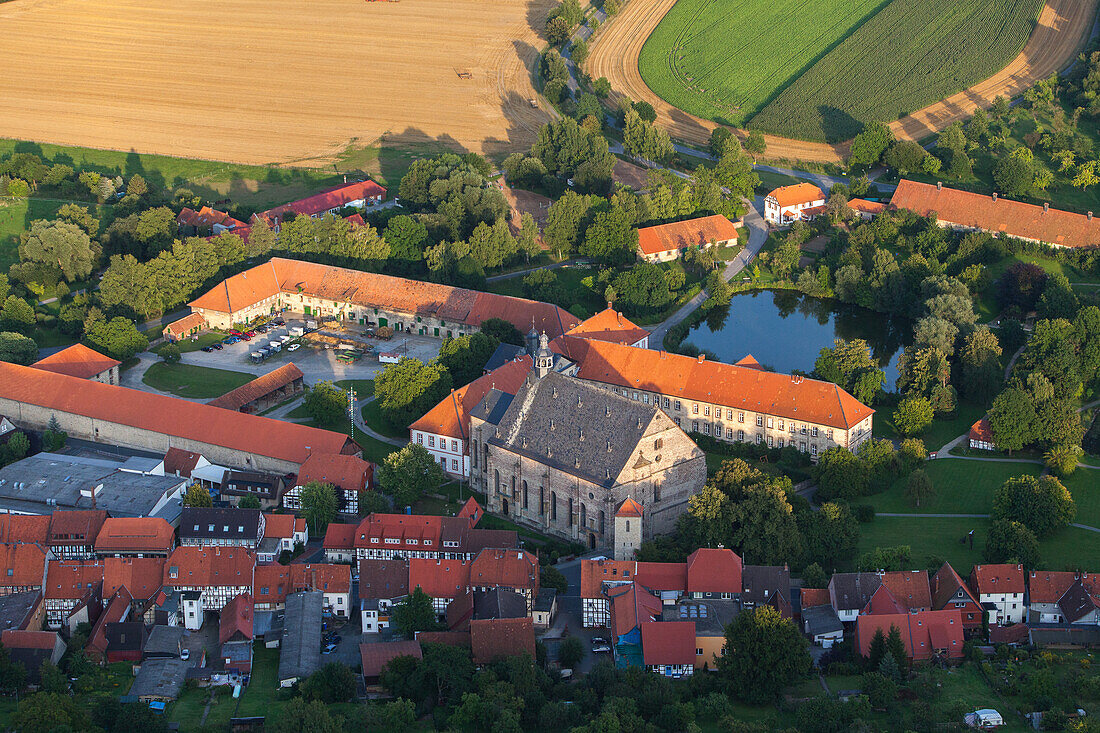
214, 526
607, 325
22, 568
356, 195
819, 621
81, 362
666, 242
72, 534
273, 584
668, 647
980, 436
441, 580
350, 476
1045, 589
1001, 590
386, 536
178, 462
966, 211
382, 583
866, 210
511, 570
339, 542
1080, 604
141, 577
71, 584
31, 647
190, 325
949, 590
788, 204
282, 532
927, 635
135, 537
850, 593
265, 391
495, 639
215, 574
206, 221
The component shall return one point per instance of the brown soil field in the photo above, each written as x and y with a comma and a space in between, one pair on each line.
631, 175
1063, 27
273, 81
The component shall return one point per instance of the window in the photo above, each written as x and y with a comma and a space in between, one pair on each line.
634, 396
814, 431
695, 426
525, 500
740, 417
771, 422
645, 398
420, 438
454, 446
780, 442
570, 505
802, 446
454, 464
770, 441
706, 428
741, 435
759, 438
695, 408
656, 493
431, 441
666, 403
729, 433
803, 429
553, 506
627, 529
729, 414
677, 405
706, 410
658, 444
780, 424
759, 421
443, 463
813, 448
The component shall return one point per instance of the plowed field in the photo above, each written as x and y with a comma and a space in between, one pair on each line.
269, 81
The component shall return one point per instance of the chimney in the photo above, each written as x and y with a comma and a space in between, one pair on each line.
939, 185
1089, 216
1046, 207
702, 358
994, 196
609, 446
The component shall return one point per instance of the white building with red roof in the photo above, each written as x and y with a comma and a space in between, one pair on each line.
80, 361
980, 436
350, 476
666, 242
610, 325
788, 204
1000, 589
330, 201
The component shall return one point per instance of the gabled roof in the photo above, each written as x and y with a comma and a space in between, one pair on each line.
471, 510
21, 639
68, 579
812, 597
116, 610
181, 326
340, 536
1079, 600
668, 642
342, 471
76, 527
76, 361
866, 207
21, 565
330, 198
283, 526
883, 602
594, 573
1000, 215
981, 431
451, 416
509, 568
439, 578
135, 534
236, 619
610, 325
631, 607
209, 567
219, 523
924, 634
997, 579
383, 578
141, 576
714, 571
325, 577
157, 413
629, 508
16, 528
183, 462
659, 576
852, 591
501, 638
375, 657
206, 218
945, 584
697, 378
799, 193
683, 234
1048, 586
259, 387
270, 583
910, 588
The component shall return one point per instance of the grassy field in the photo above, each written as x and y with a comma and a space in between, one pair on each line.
372, 415
1084, 484
962, 487
942, 430
194, 382
910, 54
725, 61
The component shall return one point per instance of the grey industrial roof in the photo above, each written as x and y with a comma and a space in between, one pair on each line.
14, 608
163, 641
300, 649
41, 483
575, 427
162, 678
821, 620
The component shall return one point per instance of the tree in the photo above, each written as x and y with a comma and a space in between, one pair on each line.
980, 368
869, 145
764, 525
579, 53
913, 415
502, 330
464, 357
18, 446
170, 352
1042, 504
118, 338
1061, 459
299, 716
319, 506
905, 155
48, 711
332, 683
17, 315
551, 577
1012, 420
832, 533
1014, 174
408, 389
414, 613
755, 144
1012, 542
895, 648
1021, 285
612, 238
602, 87
409, 473
249, 502
54, 438
876, 652
850, 365
879, 689
17, 348
570, 652
918, 487
813, 576
197, 496
764, 653
711, 510
718, 137
326, 403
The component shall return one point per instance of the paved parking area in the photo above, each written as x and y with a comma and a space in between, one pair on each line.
315, 363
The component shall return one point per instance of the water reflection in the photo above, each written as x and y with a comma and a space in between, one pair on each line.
785, 330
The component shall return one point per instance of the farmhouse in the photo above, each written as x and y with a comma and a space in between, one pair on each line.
666, 242
355, 195
1000, 590
206, 221
977, 212
369, 299
80, 361
104, 413
264, 391
788, 204
189, 325
865, 209
349, 475
981, 435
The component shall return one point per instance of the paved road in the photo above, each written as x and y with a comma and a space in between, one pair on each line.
758, 234
966, 516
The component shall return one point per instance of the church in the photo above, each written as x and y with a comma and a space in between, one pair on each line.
577, 461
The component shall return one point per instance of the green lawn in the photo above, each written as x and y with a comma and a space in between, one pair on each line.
372, 415
203, 339
1084, 484
195, 382
942, 430
962, 487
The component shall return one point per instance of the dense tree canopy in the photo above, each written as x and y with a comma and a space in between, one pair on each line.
764, 653
1042, 504
409, 388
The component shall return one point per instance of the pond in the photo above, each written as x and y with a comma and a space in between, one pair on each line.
784, 330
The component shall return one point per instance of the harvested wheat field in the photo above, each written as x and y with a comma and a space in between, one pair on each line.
273, 81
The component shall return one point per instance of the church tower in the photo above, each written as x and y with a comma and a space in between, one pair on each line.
543, 361
628, 529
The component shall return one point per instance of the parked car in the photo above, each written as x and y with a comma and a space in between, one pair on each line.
274, 346
601, 649
234, 332
250, 333
284, 340
185, 654
599, 640
566, 673
330, 648
293, 347
246, 337
260, 329
207, 349
279, 322
217, 346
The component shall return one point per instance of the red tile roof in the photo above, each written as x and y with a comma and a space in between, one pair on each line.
439, 578
377, 527
499, 638
799, 193
471, 510
714, 571
356, 219
76, 527
68, 579
594, 573
375, 657
24, 528
1000, 215
910, 588
141, 576
325, 577
184, 325
922, 633
340, 537
668, 642
631, 607
209, 567
629, 508
812, 597
609, 325
235, 623
981, 431
157, 413
380, 291
681, 235
116, 610
383, 578
76, 361
135, 535
866, 207
206, 218
283, 526
1014, 634
344, 472
331, 198
179, 461
451, 417
19, 639
945, 583
21, 565
450, 638
782, 395
270, 583
883, 602
658, 576
1048, 586
995, 579
507, 568
259, 387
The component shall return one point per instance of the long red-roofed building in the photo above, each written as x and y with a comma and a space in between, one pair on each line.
81, 362
135, 537
264, 391
330, 201
926, 634
997, 215
665, 242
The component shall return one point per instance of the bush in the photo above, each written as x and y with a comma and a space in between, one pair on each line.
864, 513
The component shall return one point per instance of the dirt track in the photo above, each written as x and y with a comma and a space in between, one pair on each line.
1063, 27
272, 81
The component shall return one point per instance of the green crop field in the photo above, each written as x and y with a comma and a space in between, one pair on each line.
910, 54
725, 60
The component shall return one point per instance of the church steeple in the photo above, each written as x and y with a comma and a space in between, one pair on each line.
543, 360
532, 340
